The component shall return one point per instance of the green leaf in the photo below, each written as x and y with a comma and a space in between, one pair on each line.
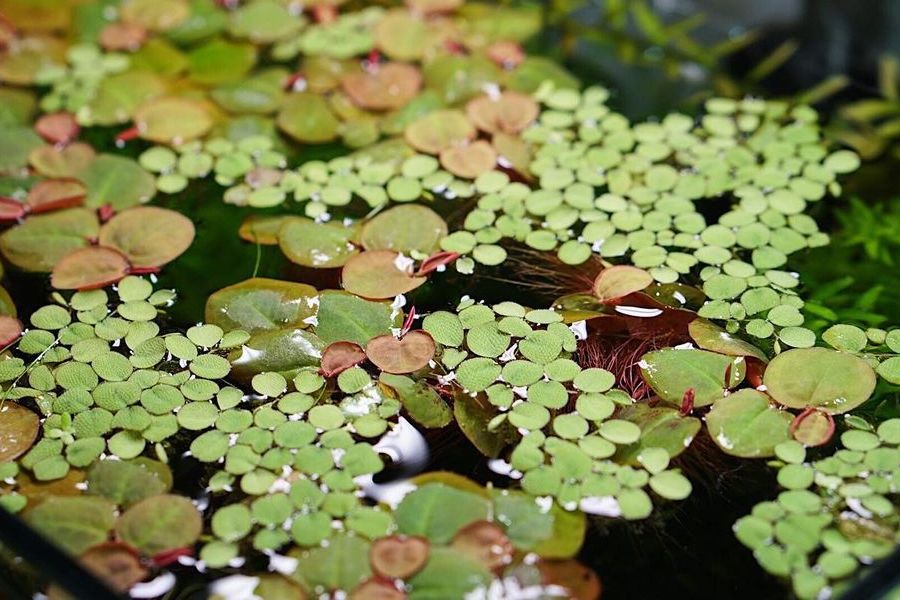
260, 304
306, 118
128, 481
448, 574
833, 381
661, 427
117, 181
74, 523
160, 523
420, 401
745, 424
283, 351
341, 565
423, 511
39, 242
672, 372
344, 317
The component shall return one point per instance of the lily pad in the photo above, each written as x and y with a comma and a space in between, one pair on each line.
260, 304
420, 512
343, 317
507, 112
307, 118
379, 274
399, 556
406, 228
409, 353
468, 161
618, 281
384, 87
116, 181
661, 427
318, 245
172, 120
283, 351
340, 356
710, 337
89, 268
673, 372
745, 424
74, 523
148, 236
160, 523
19, 428
439, 130
39, 242
833, 381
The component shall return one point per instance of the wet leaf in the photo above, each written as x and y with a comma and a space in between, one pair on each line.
340, 356
283, 351
672, 372
148, 236
343, 317
262, 229
160, 523
745, 424
406, 228
218, 61
661, 427
318, 245
260, 304
19, 428
619, 281
409, 353
89, 268
833, 381
710, 337
378, 274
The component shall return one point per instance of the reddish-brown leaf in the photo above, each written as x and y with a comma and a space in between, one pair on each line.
340, 356
487, 543
10, 330
55, 194
89, 268
398, 556
11, 210
57, 128
404, 355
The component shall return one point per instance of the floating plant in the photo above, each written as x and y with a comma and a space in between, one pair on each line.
384, 165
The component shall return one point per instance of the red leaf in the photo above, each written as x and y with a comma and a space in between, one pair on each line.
57, 128
436, 261
340, 356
